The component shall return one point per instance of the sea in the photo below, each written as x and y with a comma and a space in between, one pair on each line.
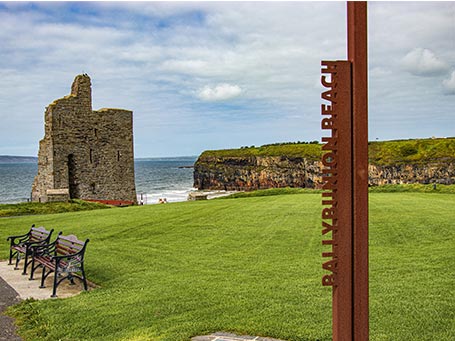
156, 178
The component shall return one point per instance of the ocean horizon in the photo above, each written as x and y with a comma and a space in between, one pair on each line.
155, 178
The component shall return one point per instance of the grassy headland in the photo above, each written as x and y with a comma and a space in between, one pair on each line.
380, 152
311, 151
418, 151
250, 266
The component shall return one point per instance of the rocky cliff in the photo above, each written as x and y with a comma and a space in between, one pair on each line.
242, 170
439, 173
255, 172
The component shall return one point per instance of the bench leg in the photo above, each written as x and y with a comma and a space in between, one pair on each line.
43, 277
84, 280
54, 287
10, 256
25, 263
18, 259
33, 269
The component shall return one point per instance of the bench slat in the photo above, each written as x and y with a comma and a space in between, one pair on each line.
71, 245
64, 250
20, 246
68, 253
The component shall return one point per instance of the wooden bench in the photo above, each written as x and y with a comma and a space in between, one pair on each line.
65, 256
22, 245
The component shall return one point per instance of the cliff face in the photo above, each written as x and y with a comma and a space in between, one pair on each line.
261, 172
255, 172
440, 173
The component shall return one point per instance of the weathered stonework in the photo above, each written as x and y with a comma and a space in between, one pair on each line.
261, 172
87, 153
255, 172
431, 173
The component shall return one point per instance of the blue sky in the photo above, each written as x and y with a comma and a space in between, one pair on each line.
213, 75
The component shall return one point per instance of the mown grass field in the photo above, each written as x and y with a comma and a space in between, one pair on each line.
248, 265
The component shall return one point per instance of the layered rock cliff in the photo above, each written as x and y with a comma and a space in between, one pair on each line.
439, 173
242, 170
255, 172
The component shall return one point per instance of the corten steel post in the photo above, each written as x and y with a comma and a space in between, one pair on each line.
345, 182
357, 55
342, 299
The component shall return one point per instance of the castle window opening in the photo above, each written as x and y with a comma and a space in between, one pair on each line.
91, 155
118, 155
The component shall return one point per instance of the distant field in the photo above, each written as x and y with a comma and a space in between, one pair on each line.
248, 265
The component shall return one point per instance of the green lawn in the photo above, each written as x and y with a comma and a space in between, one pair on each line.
249, 266
31, 208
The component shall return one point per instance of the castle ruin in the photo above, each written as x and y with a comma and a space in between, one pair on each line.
85, 154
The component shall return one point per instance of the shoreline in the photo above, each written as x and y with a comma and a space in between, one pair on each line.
213, 194
181, 196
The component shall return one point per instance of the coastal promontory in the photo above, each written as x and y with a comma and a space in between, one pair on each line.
298, 165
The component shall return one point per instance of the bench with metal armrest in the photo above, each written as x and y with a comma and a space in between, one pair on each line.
64, 257
21, 246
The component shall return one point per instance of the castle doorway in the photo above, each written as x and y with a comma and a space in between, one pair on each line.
73, 186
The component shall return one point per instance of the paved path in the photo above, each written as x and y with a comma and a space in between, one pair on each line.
8, 296
15, 287
231, 337
30, 289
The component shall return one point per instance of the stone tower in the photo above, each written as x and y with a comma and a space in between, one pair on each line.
85, 154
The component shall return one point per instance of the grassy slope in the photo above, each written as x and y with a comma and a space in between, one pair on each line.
412, 151
30, 208
310, 151
249, 265
412, 238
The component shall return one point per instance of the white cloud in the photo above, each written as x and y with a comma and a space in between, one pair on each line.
221, 92
185, 66
449, 84
423, 62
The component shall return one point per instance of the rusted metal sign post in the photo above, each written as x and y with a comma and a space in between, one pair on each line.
345, 181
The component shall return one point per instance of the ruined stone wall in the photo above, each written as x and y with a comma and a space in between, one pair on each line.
90, 153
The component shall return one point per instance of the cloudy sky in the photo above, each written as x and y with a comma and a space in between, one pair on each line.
212, 75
